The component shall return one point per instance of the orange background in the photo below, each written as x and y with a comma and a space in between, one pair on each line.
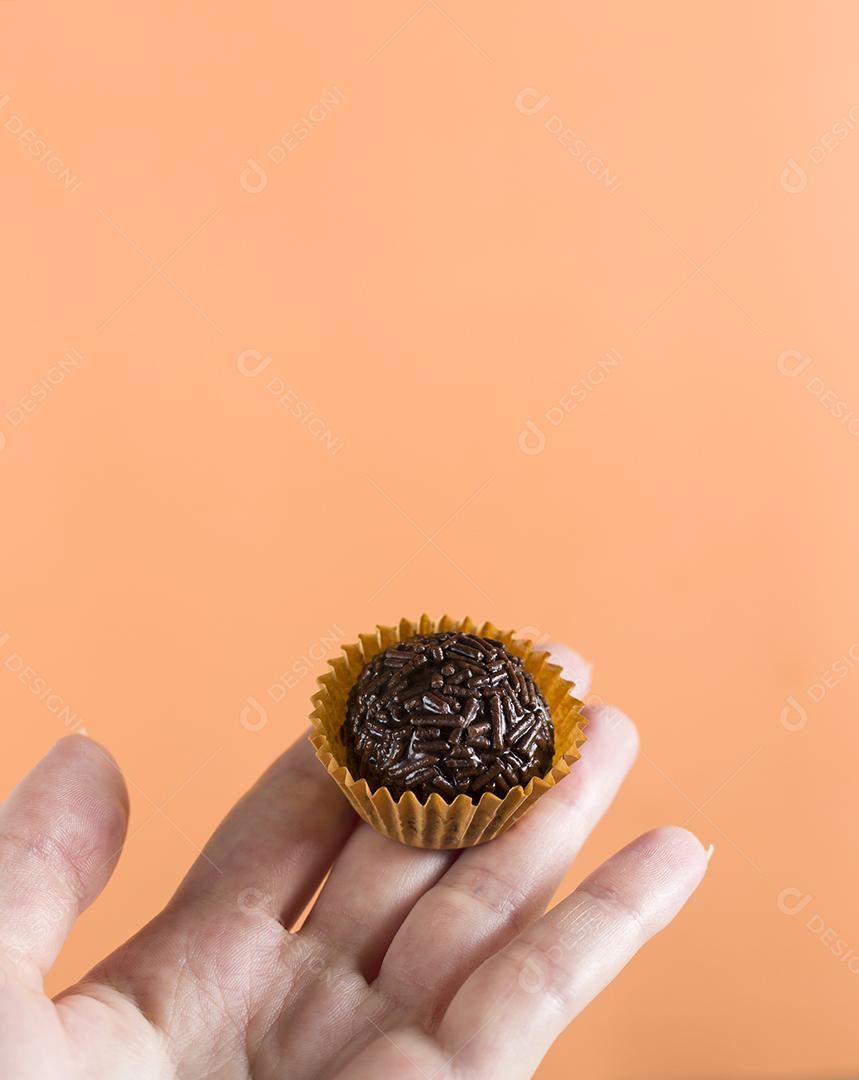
430, 268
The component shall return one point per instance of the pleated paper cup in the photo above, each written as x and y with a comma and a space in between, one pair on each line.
436, 822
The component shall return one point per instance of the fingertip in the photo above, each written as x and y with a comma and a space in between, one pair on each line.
679, 849
653, 877
573, 665
93, 763
63, 827
676, 837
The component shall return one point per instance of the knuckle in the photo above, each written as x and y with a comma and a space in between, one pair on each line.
481, 886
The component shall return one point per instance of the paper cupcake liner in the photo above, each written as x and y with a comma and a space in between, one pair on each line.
437, 823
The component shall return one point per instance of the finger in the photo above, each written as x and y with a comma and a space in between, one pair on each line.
374, 884
573, 666
277, 843
493, 891
543, 979
61, 832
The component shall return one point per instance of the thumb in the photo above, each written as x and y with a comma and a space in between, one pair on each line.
61, 831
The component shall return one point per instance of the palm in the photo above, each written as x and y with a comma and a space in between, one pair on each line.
409, 964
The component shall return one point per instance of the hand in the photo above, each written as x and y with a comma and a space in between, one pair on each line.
410, 963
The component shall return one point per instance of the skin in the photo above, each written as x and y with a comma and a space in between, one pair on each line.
410, 963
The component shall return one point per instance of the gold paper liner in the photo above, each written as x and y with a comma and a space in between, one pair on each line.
438, 823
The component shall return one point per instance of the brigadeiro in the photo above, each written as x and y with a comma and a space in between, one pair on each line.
450, 713
442, 733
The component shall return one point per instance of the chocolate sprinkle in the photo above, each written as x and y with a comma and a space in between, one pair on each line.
450, 713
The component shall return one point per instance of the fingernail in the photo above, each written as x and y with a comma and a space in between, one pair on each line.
709, 852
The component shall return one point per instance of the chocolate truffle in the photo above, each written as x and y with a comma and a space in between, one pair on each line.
450, 713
